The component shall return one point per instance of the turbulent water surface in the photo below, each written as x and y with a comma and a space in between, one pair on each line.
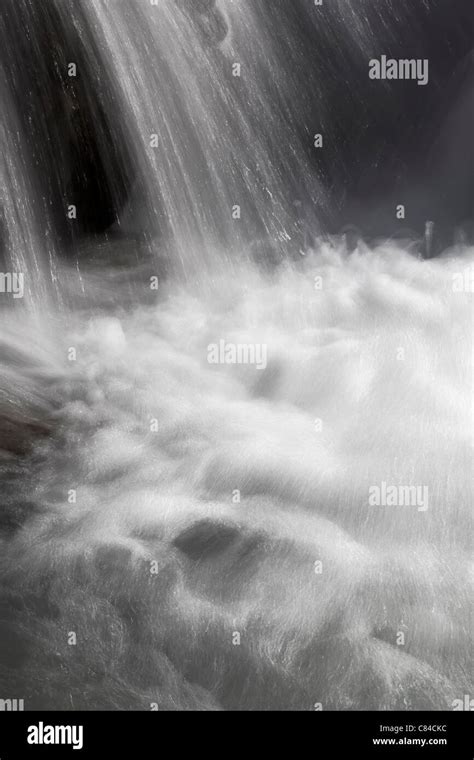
235, 452
206, 531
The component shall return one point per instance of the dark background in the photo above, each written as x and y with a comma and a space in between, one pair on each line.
390, 142
386, 143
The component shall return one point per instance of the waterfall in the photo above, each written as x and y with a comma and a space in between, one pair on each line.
235, 447
177, 99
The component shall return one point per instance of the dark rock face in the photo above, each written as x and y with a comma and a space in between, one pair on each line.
206, 539
79, 158
387, 142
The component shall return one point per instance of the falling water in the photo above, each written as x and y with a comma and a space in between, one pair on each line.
204, 528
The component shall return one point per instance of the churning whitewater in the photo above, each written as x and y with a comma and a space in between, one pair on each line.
205, 531
235, 449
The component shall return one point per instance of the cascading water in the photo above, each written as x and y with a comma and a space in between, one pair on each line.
211, 415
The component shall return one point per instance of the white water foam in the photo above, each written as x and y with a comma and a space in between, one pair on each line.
187, 562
